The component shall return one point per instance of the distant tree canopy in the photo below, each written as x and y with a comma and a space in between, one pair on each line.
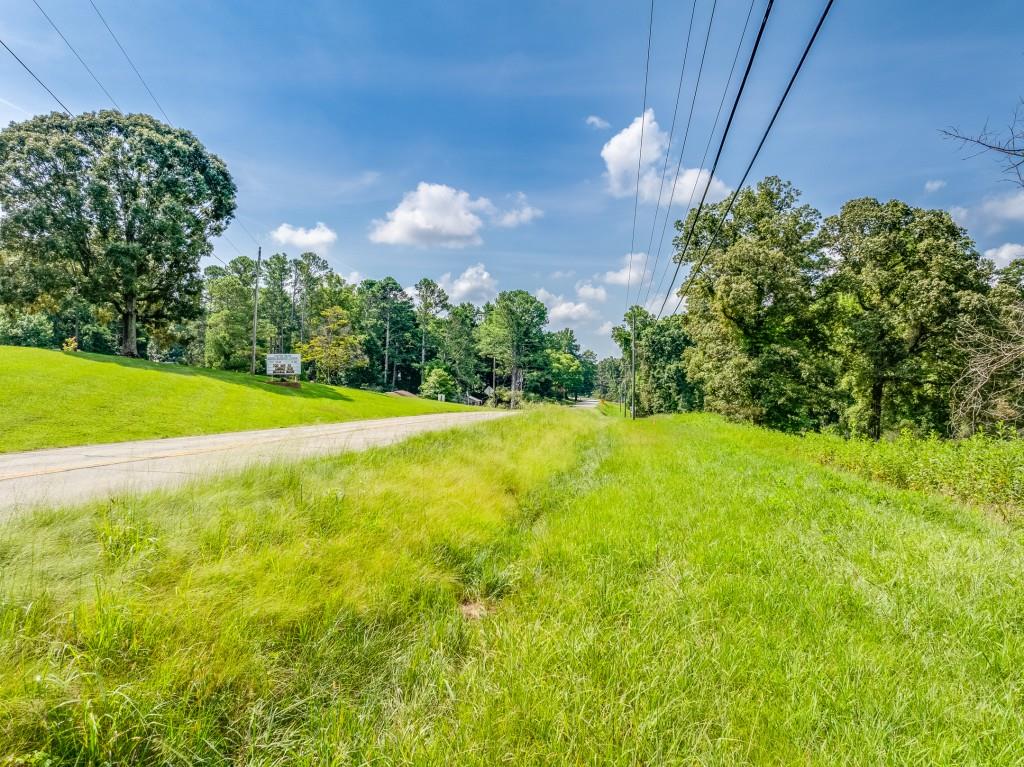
115, 209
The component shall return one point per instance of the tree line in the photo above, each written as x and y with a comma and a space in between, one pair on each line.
869, 321
378, 334
107, 217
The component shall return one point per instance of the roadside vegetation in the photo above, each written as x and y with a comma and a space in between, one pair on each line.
986, 468
75, 275
878, 320
57, 399
675, 589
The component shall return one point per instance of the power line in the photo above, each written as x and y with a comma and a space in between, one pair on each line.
130, 62
640, 155
703, 159
35, 77
77, 56
245, 229
721, 145
686, 134
636, 204
159, 106
764, 137
232, 244
671, 135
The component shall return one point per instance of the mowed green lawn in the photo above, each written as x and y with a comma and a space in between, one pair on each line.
52, 399
556, 588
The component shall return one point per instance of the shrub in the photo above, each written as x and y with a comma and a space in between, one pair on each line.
69, 345
23, 329
439, 381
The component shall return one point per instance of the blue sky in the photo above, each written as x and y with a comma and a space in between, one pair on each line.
450, 139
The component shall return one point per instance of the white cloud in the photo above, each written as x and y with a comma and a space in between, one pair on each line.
561, 309
1009, 207
606, 328
562, 274
523, 213
620, 157
627, 274
598, 122
362, 181
993, 214
354, 277
588, 291
960, 214
475, 284
317, 238
433, 214
1005, 253
934, 185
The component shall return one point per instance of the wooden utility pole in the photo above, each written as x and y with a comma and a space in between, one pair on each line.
632, 385
256, 306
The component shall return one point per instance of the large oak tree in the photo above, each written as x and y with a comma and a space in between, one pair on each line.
903, 280
118, 208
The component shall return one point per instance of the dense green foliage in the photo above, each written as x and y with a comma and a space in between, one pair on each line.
879, 319
902, 281
54, 399
597, 596
439, 384
110, 209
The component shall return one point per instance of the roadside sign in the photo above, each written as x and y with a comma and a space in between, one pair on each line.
488, 391
284, 364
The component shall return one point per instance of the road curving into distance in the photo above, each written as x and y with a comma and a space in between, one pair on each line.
71, 475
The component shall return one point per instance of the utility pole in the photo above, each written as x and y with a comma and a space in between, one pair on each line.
256, 305
632, 386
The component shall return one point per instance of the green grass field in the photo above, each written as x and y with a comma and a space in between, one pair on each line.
556, 588
75, 399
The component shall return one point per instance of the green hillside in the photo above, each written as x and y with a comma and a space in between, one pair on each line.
558, 588
52, 399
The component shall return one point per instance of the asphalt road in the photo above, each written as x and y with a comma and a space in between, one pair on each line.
587, 404
76, 474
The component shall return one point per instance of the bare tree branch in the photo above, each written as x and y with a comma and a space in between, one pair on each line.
991, 388
1009, 147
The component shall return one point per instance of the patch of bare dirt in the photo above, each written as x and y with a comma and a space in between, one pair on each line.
473, 611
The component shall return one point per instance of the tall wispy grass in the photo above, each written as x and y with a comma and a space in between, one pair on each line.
555, 588
986, 469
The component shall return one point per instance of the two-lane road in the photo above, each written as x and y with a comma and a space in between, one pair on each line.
75, 474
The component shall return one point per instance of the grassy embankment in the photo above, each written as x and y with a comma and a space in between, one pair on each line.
553, 588
53, 399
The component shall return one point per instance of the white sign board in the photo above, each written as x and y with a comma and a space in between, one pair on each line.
488, 391
284, 364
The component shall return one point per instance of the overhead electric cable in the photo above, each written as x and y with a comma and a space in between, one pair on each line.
707, 148
77, 55
245, 229
35, 77
718, 228
671, 135
636, 203
131, 63
640, 154
721, 144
